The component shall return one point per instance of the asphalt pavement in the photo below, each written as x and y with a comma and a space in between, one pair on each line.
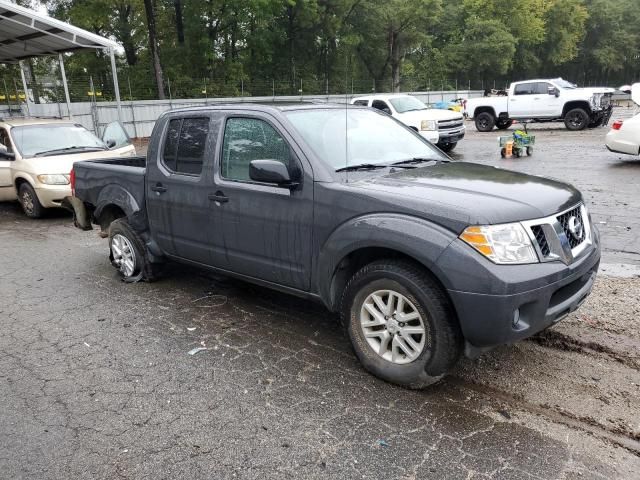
96, 380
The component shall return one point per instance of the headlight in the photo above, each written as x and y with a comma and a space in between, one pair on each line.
503, 244
54, 179
428, 125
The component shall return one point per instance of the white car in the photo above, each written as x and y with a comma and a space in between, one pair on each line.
37, 155
624, 136
443, 128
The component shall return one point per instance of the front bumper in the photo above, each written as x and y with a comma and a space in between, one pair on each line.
52, 195
432, 135
451, 136
513, 302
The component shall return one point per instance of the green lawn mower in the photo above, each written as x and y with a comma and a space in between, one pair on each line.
517, 144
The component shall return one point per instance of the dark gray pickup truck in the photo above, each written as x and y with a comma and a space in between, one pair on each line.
424, 258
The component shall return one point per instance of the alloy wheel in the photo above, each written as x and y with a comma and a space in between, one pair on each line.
393, 326
124, 256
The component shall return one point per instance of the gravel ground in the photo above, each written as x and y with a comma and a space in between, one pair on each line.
96, 382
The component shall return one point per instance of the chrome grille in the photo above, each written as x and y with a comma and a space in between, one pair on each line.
450, 124
573, 229
541, 238
563, 236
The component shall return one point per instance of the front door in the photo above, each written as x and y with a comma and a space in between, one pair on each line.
266, 229
7, 190
525, 101
178, 185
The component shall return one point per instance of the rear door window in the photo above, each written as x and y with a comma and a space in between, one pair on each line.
185, 144
364, 103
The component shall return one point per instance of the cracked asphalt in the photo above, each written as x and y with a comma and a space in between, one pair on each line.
96, 381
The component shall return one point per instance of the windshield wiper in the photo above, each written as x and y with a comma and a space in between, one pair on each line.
409, 161
361, 166
60, 151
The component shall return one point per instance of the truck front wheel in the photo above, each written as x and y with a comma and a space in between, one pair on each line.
400, 323
446, 147
576, 119
127, 252
485, 122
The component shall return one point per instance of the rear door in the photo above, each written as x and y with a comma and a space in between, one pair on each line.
178, 184
266, 229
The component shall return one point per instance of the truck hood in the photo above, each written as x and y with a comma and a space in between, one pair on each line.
428, 114
594, 90
64, 163
474, 194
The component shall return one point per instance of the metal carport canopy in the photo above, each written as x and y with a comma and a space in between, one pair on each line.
25, 33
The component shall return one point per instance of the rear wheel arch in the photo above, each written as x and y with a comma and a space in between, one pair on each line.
107, 215
480, 110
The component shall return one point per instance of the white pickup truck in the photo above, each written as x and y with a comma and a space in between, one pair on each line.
443, 128
543, 101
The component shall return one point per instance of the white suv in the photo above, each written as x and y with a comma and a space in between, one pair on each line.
444, 128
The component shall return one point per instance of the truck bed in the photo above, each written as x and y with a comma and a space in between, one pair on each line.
119, 181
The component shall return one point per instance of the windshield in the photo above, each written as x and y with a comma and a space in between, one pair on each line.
370, 137
32, 140
563, 83
406, 104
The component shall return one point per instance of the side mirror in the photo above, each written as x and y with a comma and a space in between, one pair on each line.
553, 91
115, 136
271, 171
110, 143
4, 153
387, 110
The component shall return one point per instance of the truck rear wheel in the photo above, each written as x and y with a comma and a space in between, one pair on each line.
485, 122
576, 119
128, 253
400, 323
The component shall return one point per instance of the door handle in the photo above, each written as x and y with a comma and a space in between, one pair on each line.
218, 197
158, 188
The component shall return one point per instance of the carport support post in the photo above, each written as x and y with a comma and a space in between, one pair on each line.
64, 84
116, 87
24, 87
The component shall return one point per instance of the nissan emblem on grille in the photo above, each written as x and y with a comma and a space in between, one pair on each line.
575, 227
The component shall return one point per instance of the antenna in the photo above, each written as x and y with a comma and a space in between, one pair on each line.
346, 118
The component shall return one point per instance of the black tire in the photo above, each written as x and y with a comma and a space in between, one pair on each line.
576, 119
529, 151
485, 122
142, 269
503, 124
503, 152
447, 147
29, 201
517, 152
443, 342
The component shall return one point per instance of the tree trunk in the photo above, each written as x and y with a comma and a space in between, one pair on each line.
153, 46
396, 60
177, 6
125, 19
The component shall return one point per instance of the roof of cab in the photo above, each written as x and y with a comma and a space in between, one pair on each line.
265, 106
